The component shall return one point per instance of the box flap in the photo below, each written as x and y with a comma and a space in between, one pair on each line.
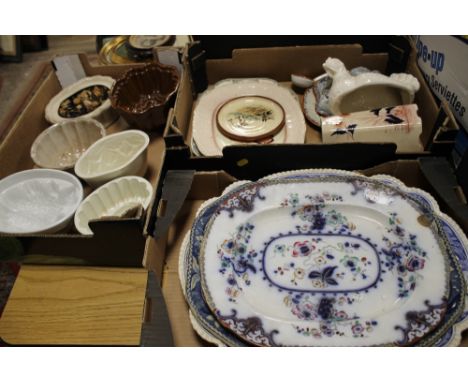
441, 176
175, 188
156, 328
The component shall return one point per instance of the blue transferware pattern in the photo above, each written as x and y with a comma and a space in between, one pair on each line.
212, 331
203, 315
400, 254
451, 327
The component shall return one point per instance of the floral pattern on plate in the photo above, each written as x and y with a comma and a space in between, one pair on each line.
444, 334
250, 118
208, 138
397, 275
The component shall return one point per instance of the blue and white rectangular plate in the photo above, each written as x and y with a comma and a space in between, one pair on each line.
325, 258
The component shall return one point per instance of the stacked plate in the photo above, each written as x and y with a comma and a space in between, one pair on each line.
325, 258
246, 111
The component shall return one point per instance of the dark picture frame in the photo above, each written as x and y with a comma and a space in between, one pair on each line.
11, 50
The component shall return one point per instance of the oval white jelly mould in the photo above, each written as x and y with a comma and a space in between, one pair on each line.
113, 156
38, 201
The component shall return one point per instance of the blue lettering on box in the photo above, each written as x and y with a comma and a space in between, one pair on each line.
436, 59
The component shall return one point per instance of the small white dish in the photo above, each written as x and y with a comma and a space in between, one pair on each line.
103, 113
61, 145
38, 201
113, 200
113, 156
367, 91
301, 81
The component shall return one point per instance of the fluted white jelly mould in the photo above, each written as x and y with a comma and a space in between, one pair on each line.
62, 144
113, 199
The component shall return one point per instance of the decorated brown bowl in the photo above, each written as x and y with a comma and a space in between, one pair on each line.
142, 96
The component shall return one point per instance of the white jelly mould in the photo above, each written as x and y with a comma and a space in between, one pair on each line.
113, 199
38, 201
62, 144
367, 91
113, 156
104, 113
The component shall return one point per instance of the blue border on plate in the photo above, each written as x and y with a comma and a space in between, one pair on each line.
207, 320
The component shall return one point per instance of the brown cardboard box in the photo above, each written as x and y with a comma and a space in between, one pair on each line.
278, 63
116, 242
211, 184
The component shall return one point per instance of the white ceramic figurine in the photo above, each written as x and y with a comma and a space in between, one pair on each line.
367, 91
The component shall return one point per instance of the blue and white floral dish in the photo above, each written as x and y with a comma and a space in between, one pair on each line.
328, 315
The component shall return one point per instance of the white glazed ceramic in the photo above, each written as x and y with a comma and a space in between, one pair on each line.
325, 271
38, 201
61, 145
195, 151
400, 125
301, 81
250, 118
316, 103
210, 141
458, 243
309, 106
104, 113
367, 90
113, 199
113, 156
447, 334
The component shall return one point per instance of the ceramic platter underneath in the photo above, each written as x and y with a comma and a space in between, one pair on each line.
222, 115
325, 259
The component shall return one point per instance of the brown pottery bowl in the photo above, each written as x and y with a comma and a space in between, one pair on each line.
142, 96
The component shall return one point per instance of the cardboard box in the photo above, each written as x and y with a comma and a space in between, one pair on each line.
116, 242
278, 63
222, 46
164, 251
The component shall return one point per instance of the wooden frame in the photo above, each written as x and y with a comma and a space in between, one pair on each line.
10, 48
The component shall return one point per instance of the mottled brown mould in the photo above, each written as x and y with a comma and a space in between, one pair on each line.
141, 96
